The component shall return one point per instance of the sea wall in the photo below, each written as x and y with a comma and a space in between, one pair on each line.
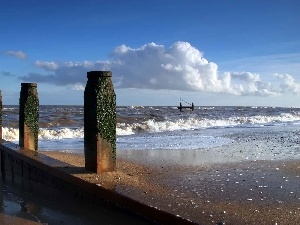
24, 165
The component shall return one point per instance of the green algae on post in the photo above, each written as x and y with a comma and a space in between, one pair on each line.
29, 116
99, 122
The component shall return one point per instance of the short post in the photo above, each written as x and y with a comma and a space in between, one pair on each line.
0, 114
99, 122
29, 116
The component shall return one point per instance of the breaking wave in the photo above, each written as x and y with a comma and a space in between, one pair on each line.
152, 126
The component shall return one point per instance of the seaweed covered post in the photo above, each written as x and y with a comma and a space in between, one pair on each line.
29, 116
99, 122
0, 114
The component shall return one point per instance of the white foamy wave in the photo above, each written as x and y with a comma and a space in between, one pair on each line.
64, 133
283, 118
123, 129
153, 126
12, 134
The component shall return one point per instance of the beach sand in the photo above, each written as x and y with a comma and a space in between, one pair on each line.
253, 180
247, 192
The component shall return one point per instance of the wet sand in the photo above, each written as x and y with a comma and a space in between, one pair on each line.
253, 180
250, 192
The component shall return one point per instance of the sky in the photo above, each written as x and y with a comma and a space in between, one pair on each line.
209, 52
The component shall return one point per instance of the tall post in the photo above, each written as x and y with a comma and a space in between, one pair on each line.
0, 114
29, 116
99, 122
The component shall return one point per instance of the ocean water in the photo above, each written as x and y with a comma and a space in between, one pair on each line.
163, 129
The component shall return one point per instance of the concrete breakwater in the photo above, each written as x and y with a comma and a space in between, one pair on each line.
19, 163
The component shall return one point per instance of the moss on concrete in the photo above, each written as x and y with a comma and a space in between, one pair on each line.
29, 110
99, 122
106, 112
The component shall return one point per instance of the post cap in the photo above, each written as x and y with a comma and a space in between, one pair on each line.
28, 85
96, 74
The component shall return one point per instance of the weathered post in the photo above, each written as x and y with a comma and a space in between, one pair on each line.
99, 122
0, 114
29, 116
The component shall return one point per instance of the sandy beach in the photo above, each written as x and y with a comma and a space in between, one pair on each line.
252, 180
248, 192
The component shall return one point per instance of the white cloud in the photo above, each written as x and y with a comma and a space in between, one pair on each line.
152, 66
18, 54
46, 65
288, 84
78, 87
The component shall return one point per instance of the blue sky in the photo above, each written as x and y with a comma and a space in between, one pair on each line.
216, 52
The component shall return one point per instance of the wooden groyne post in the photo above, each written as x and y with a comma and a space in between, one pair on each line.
0, 114
29, 116
99, 122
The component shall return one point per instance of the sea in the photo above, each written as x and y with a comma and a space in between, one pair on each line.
161, 128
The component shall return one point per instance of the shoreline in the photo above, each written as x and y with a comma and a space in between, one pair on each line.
249, 192
253, 180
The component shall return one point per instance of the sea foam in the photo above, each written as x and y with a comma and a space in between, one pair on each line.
152, 126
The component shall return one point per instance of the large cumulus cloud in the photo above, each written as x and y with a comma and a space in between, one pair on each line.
152, 66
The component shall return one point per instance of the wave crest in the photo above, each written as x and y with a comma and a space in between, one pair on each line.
152, 126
